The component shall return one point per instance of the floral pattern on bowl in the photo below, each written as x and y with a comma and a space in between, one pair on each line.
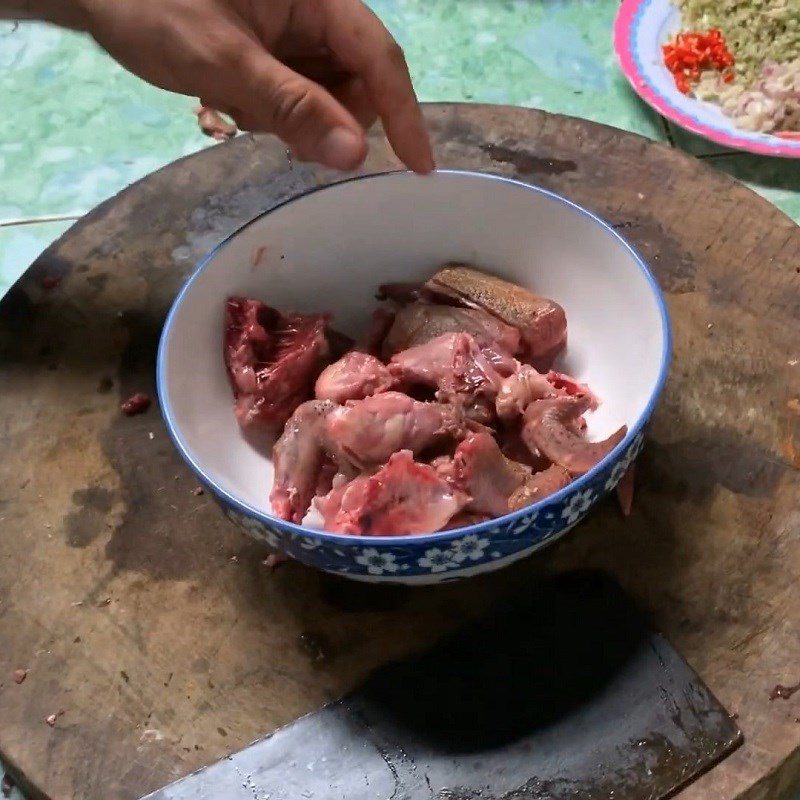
490, 545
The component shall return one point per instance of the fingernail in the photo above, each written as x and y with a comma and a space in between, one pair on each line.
429, 166
341, 148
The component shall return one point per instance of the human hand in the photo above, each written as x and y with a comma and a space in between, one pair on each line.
317, 73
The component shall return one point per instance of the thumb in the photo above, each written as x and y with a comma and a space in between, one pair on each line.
316, 127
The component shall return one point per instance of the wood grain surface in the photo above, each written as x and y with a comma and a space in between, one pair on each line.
152, 623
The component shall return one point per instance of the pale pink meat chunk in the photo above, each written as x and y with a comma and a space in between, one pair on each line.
329, 505
519, 390
550, 430
353, 377
486, 475
366, 432
328, 473
418, 323
567, 385
513, 447
402, 497
298, 459
452, 363
527, 385
538, 486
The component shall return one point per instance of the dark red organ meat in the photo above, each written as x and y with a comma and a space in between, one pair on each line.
136, 404
272, 359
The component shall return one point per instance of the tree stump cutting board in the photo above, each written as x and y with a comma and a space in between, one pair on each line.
152, 623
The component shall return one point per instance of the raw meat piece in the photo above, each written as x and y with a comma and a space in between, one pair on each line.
625, 491
272, 359
379, 327
504, 364
136, 404
298, 458
274, 560
541, 322
547, 430
353, 377
351, 451
366, 432
519, 390
452, 362
513, 447
481, 471
464, 518
343, 493
326, 476
477, 409
402, 497
567, 385
418, 323
539, 485
444, 467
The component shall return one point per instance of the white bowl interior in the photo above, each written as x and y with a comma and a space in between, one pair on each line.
329, 251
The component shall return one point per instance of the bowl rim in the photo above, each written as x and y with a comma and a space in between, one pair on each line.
439, 536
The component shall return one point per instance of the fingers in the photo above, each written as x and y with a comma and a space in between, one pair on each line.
350, 91
364, 46
352, 94
271, 97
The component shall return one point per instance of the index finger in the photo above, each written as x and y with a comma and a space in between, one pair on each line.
362, 44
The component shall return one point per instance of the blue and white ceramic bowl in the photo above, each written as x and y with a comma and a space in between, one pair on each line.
328, 250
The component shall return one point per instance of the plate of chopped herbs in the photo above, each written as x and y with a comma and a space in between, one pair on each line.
728, 70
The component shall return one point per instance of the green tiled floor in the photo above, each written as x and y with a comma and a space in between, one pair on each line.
80, 128
83, 128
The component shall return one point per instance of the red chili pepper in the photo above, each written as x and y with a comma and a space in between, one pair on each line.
693, 52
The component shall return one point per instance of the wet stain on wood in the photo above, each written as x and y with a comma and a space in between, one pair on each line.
86, 523
784, 692
526, 162
703, 459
